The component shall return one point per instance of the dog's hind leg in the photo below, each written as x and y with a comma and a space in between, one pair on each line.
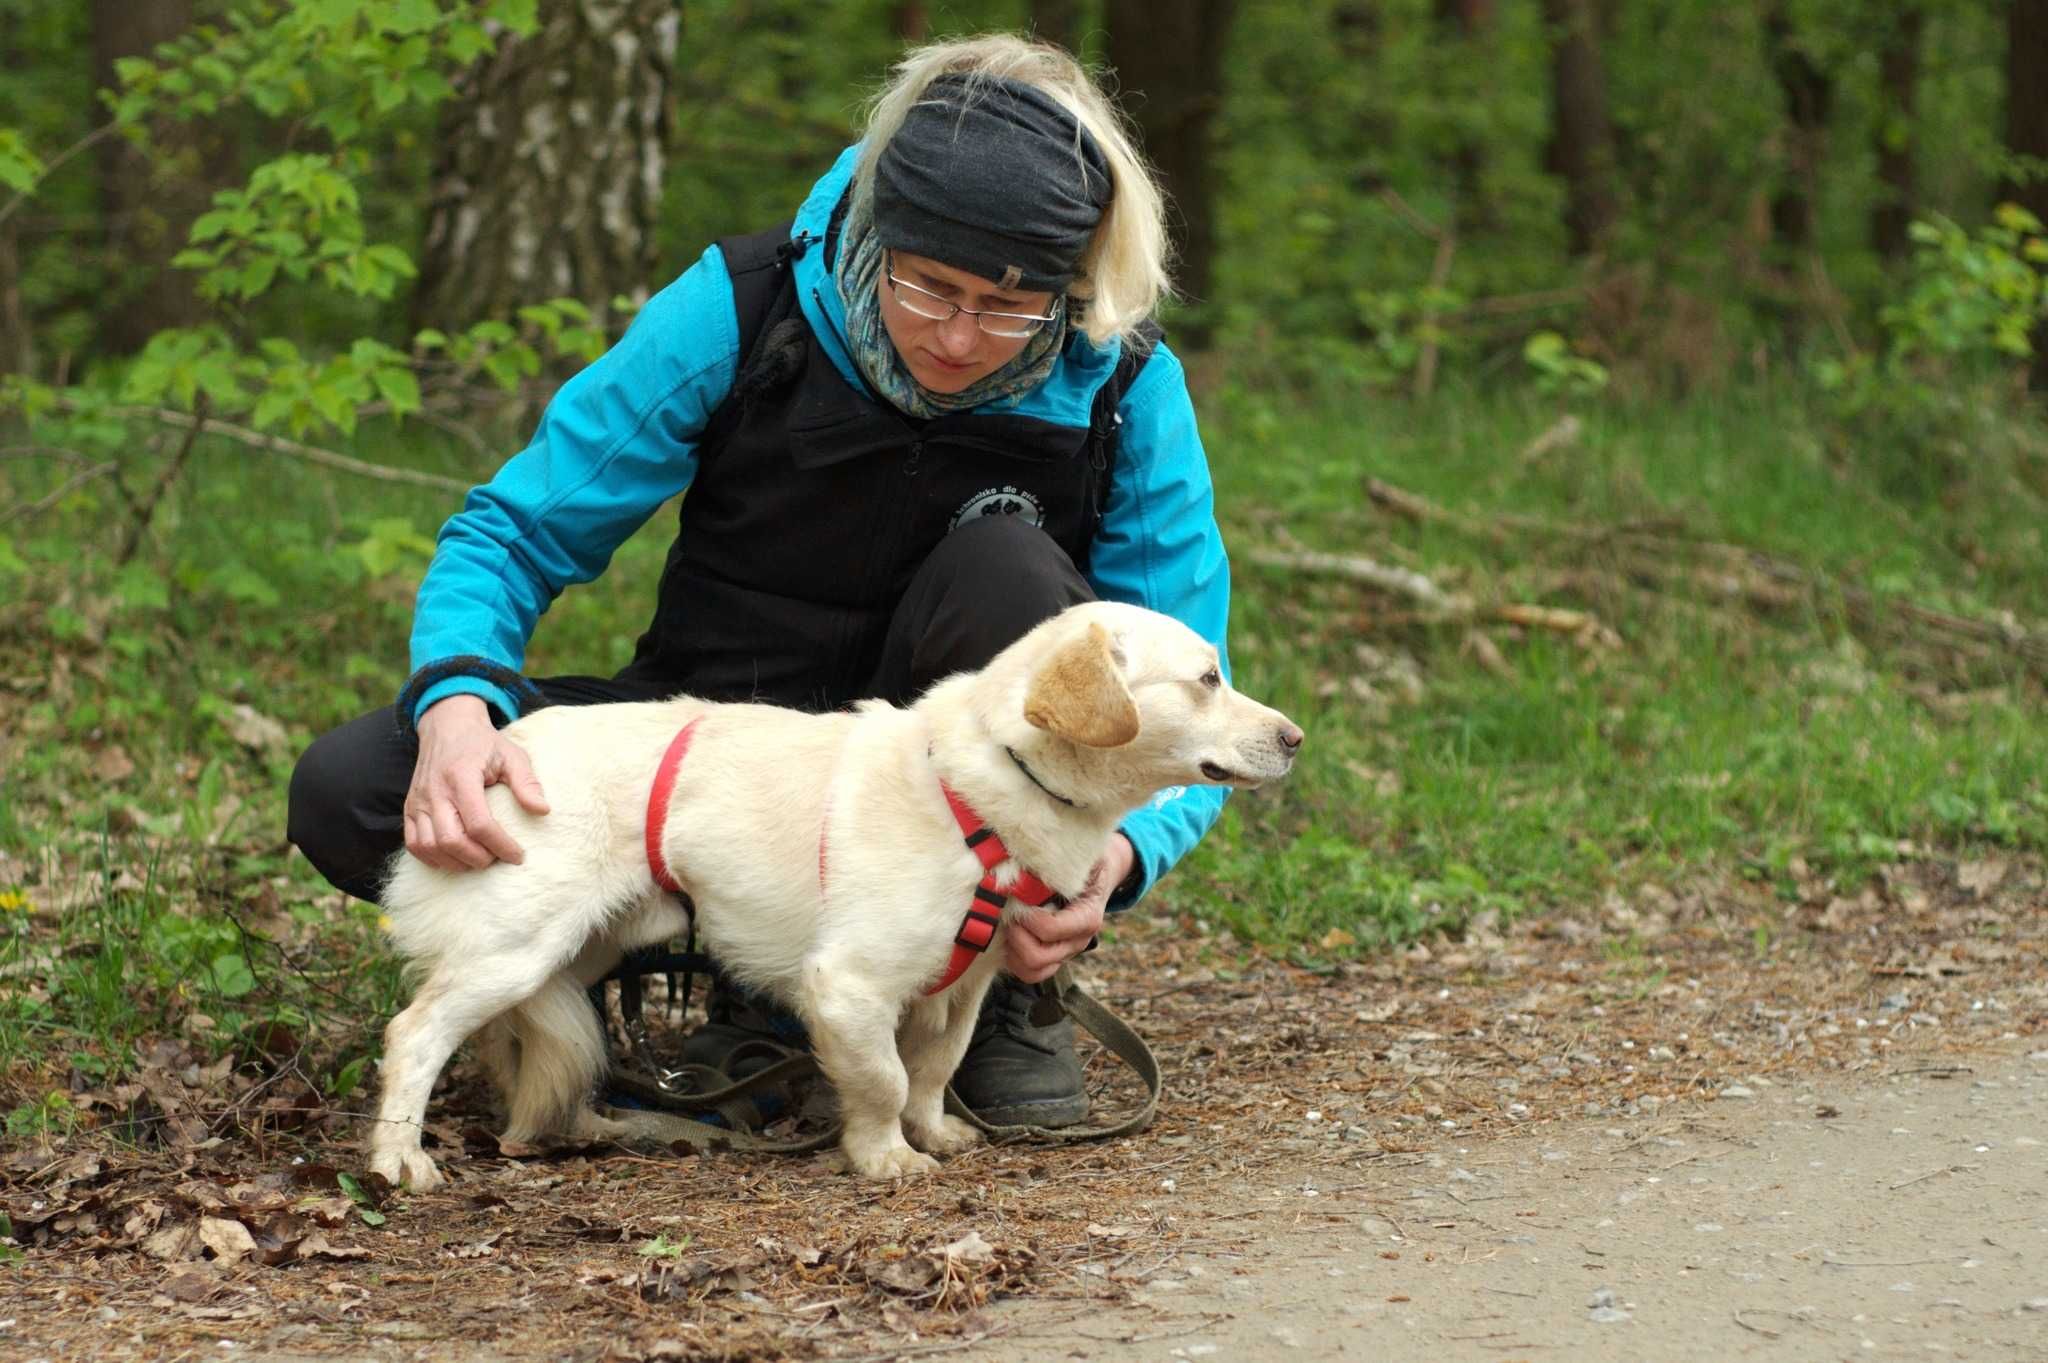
455, 1000
853, 1033
561, 1058
497, 1050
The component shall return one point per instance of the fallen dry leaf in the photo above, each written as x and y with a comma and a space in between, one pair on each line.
229, 1240
256, 731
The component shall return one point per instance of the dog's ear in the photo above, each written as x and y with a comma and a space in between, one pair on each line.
1079, 693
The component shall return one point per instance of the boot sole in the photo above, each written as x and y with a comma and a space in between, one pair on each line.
1048, 1112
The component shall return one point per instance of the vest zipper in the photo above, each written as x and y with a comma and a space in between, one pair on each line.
910, 464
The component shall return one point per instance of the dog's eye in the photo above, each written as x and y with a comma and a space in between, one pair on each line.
1212, 679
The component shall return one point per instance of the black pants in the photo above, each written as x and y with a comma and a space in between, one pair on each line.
983, 588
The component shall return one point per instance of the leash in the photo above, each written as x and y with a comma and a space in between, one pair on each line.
697, 1089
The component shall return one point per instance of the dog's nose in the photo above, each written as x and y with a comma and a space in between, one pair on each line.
1290, 737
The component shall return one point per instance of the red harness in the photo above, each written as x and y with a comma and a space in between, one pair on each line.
977, 929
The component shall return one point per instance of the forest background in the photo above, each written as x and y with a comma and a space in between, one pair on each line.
1621, 412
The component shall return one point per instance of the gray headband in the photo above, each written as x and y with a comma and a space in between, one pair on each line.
992, 184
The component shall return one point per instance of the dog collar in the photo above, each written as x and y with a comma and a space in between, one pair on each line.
657, 804
1032, 777
978, 929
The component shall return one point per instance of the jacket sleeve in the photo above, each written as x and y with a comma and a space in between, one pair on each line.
616, 442
1159, 547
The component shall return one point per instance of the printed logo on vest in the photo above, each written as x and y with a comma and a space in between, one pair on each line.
1000, 501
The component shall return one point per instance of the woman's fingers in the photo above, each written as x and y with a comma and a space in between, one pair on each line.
484, 830
451, 837
519, 775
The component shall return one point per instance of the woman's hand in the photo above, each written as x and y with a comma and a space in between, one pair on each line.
1037, 942
447, 822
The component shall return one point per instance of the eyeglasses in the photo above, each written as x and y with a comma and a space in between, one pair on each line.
928, 305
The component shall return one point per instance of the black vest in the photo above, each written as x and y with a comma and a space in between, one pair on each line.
814, 505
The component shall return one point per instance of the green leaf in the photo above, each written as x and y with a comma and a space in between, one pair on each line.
412, 16
399, 388
232, 976
346, 1079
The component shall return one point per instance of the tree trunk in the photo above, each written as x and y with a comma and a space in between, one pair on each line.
2026, 128
146, 205
1582, 135
1058, 22
548, 171
1898, 89
910, 20
1169, 66
1809, 100
1463, 26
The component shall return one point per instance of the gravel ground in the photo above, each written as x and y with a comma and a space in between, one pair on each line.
1716, 1121
1904, 1216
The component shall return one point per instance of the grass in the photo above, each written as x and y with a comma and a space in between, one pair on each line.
146, 891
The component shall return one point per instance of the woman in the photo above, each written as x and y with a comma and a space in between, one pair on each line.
913, 423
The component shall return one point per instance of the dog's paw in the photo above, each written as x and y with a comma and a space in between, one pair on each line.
948, 1137
412, 1168
892, 1163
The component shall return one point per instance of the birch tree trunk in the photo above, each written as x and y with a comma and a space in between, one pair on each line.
548, 170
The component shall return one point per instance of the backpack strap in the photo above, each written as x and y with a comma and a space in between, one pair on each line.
1105, 423
765, 305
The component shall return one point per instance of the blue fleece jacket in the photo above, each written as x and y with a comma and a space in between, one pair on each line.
619, 439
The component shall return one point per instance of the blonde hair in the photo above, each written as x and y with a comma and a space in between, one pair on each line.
1122, 277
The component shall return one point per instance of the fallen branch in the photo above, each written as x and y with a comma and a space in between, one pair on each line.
1438, 606
1365, 571
1564, 432
1734, 572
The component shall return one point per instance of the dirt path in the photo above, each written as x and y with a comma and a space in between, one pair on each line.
1706, 1124
1904, 1218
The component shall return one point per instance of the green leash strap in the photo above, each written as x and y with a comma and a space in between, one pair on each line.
660, 1119
734, 1101
1118, 1038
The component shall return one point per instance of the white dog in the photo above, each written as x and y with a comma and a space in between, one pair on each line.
833, 862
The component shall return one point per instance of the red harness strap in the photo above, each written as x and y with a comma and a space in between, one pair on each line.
657, 804
978, 929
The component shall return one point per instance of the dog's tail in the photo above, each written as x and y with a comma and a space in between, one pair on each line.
560, 1058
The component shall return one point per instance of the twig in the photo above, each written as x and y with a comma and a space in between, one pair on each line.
1881, 1263
138, 525
1758, 1329
277, 444
1937, 1173
85, 143
45, 502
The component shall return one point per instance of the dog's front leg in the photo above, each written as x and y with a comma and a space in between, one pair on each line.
932, 1039
853, 1034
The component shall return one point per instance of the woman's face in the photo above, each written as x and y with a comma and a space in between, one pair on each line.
949, 356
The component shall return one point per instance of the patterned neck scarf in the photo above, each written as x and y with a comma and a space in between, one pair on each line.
858, 274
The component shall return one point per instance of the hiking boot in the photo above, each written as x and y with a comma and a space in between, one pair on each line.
742, 1033
1016, 1072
